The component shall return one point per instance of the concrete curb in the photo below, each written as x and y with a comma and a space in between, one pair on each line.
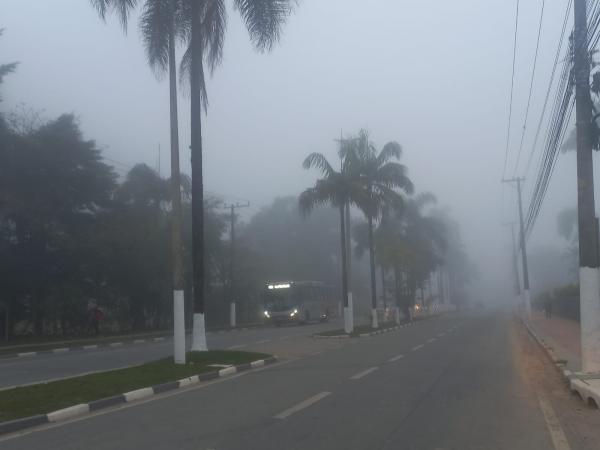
587, 389
364, 335
127, 397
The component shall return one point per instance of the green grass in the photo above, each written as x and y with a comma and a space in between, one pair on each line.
358, 330
46, 397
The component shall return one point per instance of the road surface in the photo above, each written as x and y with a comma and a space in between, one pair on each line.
51, 366
455, 382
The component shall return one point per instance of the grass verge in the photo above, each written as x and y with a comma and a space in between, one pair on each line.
46, 397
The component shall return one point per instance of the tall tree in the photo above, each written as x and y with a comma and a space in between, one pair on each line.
338, 189
203, 25
382, 179
160, 28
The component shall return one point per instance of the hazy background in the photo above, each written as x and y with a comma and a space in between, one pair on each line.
435, 76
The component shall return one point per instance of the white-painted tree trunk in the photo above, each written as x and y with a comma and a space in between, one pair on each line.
199, 334
589, 292
232, 317
178, 327
349, 315
374, 321
397, 313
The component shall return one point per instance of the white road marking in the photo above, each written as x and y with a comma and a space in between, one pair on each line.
300, 406
556, 432
282, 338
431, 340
395, 358
441, 334
236, 346
264, 341
364, 373
414, 349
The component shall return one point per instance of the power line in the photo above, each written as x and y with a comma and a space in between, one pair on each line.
537, 47
556, 59
512, 85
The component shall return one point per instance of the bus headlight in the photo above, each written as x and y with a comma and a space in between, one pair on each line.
293, 313
267, 314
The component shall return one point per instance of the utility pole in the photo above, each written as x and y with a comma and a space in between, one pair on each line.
526, 295
589, 283
515, 261
232, 314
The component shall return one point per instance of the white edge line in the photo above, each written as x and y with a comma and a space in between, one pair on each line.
556, 432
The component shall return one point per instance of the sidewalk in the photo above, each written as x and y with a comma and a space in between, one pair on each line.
562, 335
561, 339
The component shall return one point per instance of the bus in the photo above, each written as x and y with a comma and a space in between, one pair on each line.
298, 302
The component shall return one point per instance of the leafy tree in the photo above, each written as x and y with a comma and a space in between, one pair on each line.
53, 185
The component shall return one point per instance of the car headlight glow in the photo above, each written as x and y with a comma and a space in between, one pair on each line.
267, 315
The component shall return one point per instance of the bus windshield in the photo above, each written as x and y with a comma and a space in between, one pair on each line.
279, 300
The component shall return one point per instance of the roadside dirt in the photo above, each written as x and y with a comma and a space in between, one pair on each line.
580, 422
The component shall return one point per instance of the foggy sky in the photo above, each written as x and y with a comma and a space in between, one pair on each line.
435, 76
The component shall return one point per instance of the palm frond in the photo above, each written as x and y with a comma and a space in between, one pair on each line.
394, 175
214, 27
391, 150
318, 160
156, 25
122, 8
263, 19
310, 199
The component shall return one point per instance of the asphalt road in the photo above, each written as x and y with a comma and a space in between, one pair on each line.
454, 382
51, 366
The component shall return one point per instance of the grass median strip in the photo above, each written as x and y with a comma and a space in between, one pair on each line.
358, 330
46, 397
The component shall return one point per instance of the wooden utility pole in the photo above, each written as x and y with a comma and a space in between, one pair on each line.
232, 313
589, 284
526, 295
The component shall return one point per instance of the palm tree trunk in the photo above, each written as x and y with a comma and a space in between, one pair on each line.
374, 322
348, 326
176, 219
198, 332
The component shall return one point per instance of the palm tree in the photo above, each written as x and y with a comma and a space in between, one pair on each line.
202, 25
339, 189
158, 26
382, 177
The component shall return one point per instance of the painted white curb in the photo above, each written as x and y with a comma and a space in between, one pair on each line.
227, 371
67, 413
138, 394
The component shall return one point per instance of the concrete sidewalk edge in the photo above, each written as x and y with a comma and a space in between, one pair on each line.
588, 390
126, 397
